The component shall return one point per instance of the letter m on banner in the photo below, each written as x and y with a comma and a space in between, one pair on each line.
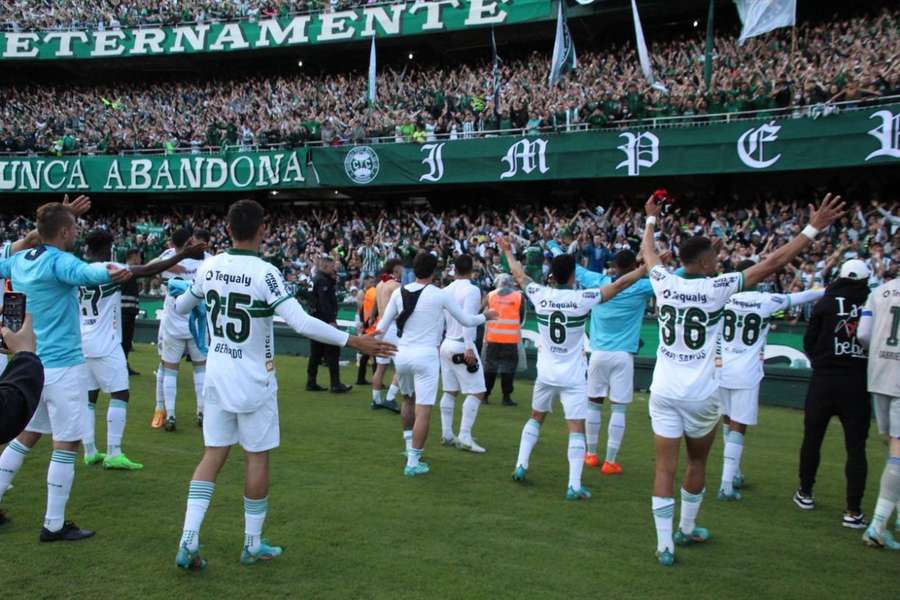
526, 155
641, 150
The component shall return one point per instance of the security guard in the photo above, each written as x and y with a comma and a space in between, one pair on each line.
502, 337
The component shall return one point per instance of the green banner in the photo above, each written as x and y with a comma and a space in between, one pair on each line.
391, 20
223, 172
857, 138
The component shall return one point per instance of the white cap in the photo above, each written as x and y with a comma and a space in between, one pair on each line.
854, 269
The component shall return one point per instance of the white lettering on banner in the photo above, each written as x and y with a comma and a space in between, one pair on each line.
390, 25
751, 146
18, 45
296, 29
195, 37
434, 161
190, 170
433, 12
140, 174
48, 172
65, 40
485, 12
33, 176
335, 25
531, 155
293, 166
233, 171
641, 150
231, 35
108, 43
267, 174
887, 134
113, 174
148, 40
163, 171
219, 180
77, 172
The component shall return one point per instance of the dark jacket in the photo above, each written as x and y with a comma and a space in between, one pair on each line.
830, 341
20, 391
130, 297
324, 303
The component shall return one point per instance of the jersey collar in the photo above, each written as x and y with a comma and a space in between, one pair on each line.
239, 252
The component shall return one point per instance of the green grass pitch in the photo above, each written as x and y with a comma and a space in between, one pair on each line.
354, 527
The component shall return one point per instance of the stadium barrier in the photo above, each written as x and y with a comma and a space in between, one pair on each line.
847, 139
782, 386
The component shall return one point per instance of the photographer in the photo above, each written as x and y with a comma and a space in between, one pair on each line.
20, 383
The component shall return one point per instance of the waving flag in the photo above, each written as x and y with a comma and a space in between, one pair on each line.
643, 54
372, 80
761, 16
563, 49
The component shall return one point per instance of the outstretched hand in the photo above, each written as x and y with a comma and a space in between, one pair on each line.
652, 207
79, 205
371, 345
831, 209
194, 249
503, 243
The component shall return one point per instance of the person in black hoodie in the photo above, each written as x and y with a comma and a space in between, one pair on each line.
325, 307
837, 388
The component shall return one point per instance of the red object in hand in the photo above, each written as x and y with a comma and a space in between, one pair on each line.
662, 196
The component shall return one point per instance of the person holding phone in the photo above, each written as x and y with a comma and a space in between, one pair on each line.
49, 276
20, 383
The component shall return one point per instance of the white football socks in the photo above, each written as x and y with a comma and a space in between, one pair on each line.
407, 439
469, 413
10, 462
170, 389
690, 507
663, 516
116, 416
576, 459
734, 448
89, 435
616, 430
530, 434
199, 377
592, 425
254, 517
448, 405
376, 396
160, 393
888, 494
199, 496
392, 392
60, 475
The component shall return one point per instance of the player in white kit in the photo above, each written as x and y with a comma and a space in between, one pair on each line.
745, 329
879, 329
683, 395
418, 311
242, 292
460, 368
562, 313
101, 342
176, 341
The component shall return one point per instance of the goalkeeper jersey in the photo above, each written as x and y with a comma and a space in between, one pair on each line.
241, 292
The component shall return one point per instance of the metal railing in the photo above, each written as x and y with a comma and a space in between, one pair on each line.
793, 112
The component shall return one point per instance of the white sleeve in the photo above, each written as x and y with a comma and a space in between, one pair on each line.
533, 291
866, 322
724, 286
456, 312
798, 298
186, 302
304, 324
591, 298
471, 305
659, 279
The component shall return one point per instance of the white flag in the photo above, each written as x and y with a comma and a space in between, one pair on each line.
372, 73
643, 55
563, 48
761, 16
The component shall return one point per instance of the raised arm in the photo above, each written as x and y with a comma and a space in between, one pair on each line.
515, 267
75, 272
611, 290
158, 266
831, 209
304, 324
648, 243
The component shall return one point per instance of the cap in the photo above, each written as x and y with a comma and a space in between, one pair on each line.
854, 269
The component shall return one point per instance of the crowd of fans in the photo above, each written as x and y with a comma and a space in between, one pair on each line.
360, 239
844, 60
101, 15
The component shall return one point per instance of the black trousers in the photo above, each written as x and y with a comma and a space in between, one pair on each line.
506, 383
327, 354
128, 320
363, 367
844, 396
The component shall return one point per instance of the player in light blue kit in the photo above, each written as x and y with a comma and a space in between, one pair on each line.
49, 275
614, 339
